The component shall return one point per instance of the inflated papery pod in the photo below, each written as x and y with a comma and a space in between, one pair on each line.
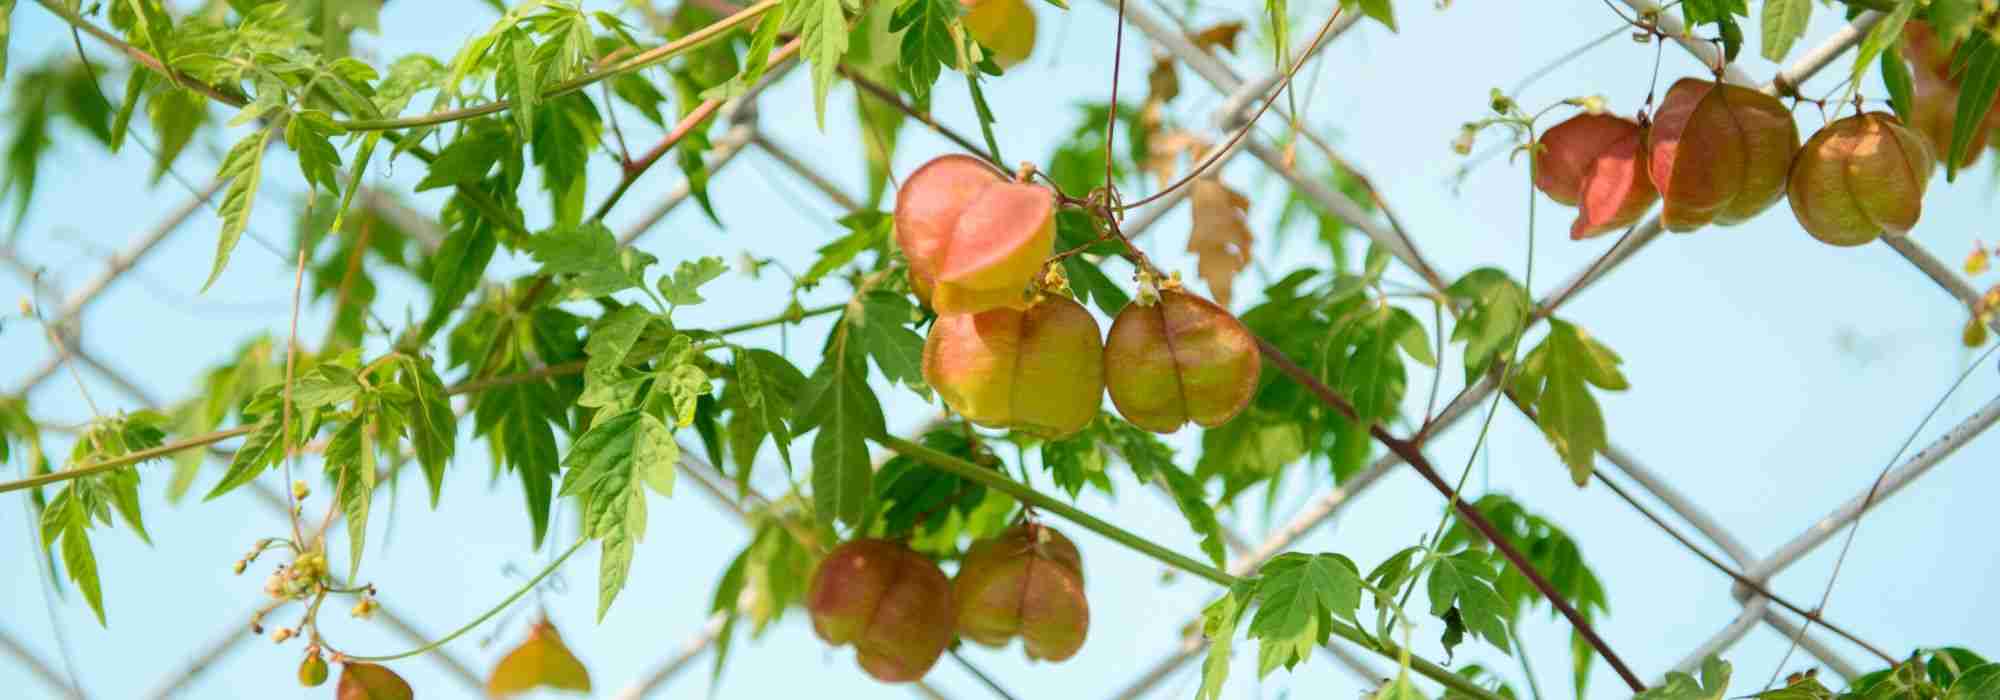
1597, 163
974, 238
1039, 370
1718, 153
890, 602
1179, 359
1028, 582
1007, 27
1934, 112
1859, 178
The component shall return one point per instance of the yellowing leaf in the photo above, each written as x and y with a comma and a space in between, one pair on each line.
1976, 262
1221, 237
1222, 36
1164, 151
371, 682
542, 661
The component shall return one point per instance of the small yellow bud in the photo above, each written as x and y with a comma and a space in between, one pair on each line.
300, 491
281, 634
1976, 262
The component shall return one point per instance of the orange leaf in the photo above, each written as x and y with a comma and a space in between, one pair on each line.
542, 661
360, 681
1221, 36
1221, 236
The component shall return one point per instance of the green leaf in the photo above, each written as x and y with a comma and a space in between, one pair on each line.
1194, 507
769, 384
681, 288
605, 381
1784, 22
433, 425
1363, 364
1680, 686
1896, 77
592, 260
135, 85
606, 469
327, 385
81, 563
6, 30
306, 133
1218, 626
1299, 596
176, 113
244, 169
838, 402
927, 47
1555, 379
1378, 10
460, 262
867, 230
1978, 63
468, 158
1885, 33
1496, 311
1399, 689
882, 329
1804, 687
823, 27
261, 449
517, 418
762, 40
1464, 583
350, 465
1979, 683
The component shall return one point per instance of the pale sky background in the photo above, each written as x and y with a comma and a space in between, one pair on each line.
1771, 378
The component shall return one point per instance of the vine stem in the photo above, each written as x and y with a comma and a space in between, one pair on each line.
999, 482
125, 459
694, 40
483, 617
687, 125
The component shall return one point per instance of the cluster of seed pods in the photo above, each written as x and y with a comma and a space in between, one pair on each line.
1038, 363
898, 610
1716, 153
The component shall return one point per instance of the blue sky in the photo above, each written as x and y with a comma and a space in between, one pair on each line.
1772, 377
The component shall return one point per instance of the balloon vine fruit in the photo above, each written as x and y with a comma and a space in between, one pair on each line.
1039, 370
1007, 27
1718, 153
890, 602
1178, 360
1596, 162
1858, 178
1028, 582
973, 237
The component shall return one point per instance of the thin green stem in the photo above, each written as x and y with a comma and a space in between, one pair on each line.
1527, 669
483, 617
779, 319
122, 460
650, 57
999, 482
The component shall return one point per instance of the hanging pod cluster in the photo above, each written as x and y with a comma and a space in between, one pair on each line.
898, 610
1934, 94
1715, 153
1004, 358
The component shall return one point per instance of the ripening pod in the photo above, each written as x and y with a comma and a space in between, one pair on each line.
1005, 26
1028, 582
1181, 359
1039, 370
1925, 51
974, 238
890, 602
1718, 153
1596, 162
1858, 178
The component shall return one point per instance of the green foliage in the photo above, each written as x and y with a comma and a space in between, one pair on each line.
1496, 310
43, 94
837, 401
1722, 14
1461, 592
1978, 65
1298, 597
1555, 380
928, 47
1364, 362
606, 469
1880, 39
244, 169
1552, 552
68, 515
589, 261
1218, 626
822, 24
1784, 22
1712, 685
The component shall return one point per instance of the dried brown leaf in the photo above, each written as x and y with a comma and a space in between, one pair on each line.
1221, 237
1222, 36
359, 681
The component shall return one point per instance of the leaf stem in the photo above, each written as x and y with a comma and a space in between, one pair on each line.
125, 459
483, 617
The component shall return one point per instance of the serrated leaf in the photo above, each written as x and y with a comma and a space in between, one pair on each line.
1363, 361
1220, 238
606, 469
884, 334
1713, 685
927, 46
1496, 310
1556, 378
605, 383
350, 466
1299, 595
318, 162
459, 265
590, 259
1784, 22
762, 40
1463, 583
433, 425
541, 661
1978, 63
823, 27
867, 230
244, 169
1193, 504
1218, 626
261, 449
769, 384
683, 286
838, 402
